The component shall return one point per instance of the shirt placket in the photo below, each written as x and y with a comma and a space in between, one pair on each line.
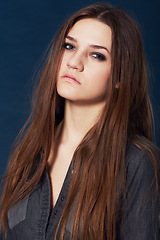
44, 209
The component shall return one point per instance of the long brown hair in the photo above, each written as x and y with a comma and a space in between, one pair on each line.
100, 157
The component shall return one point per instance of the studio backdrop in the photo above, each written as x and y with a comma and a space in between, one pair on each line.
26, 29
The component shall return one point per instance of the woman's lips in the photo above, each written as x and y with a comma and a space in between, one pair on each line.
70, 78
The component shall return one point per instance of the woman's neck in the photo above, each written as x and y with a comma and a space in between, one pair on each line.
78, 120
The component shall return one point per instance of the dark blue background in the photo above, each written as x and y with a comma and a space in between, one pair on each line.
26, 28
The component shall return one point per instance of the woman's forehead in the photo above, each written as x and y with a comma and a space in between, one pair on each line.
91, 31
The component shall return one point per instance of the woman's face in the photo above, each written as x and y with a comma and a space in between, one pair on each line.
86, 62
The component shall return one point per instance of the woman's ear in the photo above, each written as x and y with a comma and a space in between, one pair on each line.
117, 84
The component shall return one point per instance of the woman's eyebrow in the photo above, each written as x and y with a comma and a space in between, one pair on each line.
71, 38
99, 47
95, 46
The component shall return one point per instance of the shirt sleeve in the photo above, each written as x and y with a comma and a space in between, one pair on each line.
141, 207
1, 191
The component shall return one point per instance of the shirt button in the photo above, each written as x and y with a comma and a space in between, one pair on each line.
55, 212
62, 198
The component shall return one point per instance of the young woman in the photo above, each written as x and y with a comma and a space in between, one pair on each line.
86, 167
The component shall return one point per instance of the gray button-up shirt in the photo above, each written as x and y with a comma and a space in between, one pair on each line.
31, 219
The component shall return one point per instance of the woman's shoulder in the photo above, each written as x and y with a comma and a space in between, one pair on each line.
142, 159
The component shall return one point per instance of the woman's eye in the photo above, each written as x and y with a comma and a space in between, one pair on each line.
69, 46
99, 56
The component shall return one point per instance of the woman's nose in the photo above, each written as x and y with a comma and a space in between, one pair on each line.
76, 62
